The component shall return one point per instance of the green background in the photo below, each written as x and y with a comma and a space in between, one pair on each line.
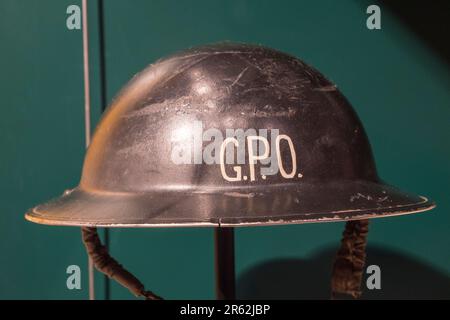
397, 82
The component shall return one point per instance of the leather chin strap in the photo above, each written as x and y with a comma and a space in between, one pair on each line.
346, 276
349, 262
110, 267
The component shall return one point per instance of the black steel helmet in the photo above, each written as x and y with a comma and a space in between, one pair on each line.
293, 149
230, 135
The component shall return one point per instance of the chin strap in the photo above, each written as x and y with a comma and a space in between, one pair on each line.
349, 263
110, 267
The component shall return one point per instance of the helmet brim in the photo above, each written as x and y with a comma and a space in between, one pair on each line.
283, 204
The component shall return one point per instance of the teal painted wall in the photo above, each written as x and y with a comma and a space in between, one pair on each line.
398, 84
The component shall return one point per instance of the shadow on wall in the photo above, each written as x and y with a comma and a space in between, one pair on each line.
429, 21
402, 277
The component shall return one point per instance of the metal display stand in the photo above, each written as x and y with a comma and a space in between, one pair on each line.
224, 263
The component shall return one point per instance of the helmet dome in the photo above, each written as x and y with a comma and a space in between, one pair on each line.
228, 134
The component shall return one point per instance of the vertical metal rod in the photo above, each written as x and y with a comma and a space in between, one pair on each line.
87, 118
87, 97
103, 101
224, 263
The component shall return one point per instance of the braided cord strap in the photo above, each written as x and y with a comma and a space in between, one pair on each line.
349, 263
104, 263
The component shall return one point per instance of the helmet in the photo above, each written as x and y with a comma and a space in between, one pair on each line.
227, 135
